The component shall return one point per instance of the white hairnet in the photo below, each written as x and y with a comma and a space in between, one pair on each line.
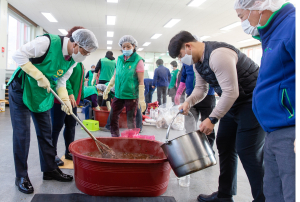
86, 39
128, 39
272, 5
101, 87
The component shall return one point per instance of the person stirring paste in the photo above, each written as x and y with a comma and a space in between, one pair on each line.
75, 88
42, 66
129, 85
273, 23
233, 76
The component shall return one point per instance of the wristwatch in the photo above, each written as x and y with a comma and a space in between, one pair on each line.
213, 120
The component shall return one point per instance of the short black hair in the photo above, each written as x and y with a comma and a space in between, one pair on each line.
109, 54
174, 63
178, 41
159, 62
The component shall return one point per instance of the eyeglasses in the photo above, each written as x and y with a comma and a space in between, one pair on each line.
85, 53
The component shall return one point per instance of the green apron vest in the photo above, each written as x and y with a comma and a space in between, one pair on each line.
127, 84
90, 90
173, 78
73, 84
54, 66
90, 78
107, 69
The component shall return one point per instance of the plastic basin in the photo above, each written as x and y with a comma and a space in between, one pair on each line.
120, 177
102, 116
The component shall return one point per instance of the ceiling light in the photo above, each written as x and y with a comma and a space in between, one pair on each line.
112, 1
63, 31
171, 23
108, 48
110, 34
231, 26
140, 49
111, 20
162, 54
147, 44
196, 3
109, 42
204, 37
247, 40
50, 17
155, 36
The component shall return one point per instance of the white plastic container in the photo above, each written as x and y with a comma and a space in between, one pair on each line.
184, 181
2, 105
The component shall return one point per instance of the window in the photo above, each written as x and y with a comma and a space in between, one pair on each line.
18, 34
255, 53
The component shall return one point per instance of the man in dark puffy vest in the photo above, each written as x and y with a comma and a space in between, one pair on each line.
233, 76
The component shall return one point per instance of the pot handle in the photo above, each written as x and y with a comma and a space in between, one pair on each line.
169, 127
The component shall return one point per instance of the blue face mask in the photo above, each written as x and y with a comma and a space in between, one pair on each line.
127, 52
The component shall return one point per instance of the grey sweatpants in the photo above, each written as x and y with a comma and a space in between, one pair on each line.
279, 159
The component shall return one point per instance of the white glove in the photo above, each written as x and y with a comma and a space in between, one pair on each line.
94, 78
142, 102
108, 106
107, 90
63, 94
32, 71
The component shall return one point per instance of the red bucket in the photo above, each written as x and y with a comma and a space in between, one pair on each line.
120, 177
102, 116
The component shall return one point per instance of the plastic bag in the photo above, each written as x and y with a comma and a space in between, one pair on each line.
166, 114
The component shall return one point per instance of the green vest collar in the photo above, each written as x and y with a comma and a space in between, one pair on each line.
131, 59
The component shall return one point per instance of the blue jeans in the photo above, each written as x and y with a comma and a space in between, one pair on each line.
279, 159
139, 119
59, 118
20, 119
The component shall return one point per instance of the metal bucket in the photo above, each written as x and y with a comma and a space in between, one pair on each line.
189, 153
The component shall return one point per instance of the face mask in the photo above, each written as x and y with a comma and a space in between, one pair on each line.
187, 59
248, 29
127, 52
78, 57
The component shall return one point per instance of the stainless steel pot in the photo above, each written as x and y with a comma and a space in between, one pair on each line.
189, 153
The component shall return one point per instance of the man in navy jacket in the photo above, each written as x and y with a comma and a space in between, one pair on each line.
148, 91
161, 80
273, 23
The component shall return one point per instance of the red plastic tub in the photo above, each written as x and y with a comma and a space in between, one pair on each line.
134, 133
120, 177
102, 116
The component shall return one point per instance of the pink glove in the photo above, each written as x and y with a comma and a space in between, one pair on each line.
179, 92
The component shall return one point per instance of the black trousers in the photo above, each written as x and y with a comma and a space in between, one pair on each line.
59, 119
240, 134
20, 119
204, 109
162, 93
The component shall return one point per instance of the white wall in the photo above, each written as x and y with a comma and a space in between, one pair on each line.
98, 54
3, 43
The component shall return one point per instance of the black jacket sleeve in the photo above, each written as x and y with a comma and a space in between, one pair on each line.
98, 66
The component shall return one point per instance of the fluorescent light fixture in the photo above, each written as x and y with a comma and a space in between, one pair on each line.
108, 48
140, 49
147, 44
204, 37
247, 40
49, 17
110, 20
155, 36
112, 1
63, 31
109, 42
196, 3
110, 34
231, 26
171, 23
162, 54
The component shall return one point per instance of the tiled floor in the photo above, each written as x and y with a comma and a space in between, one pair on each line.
205, 181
